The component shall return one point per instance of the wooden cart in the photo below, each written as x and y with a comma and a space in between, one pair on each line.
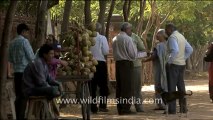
82, 88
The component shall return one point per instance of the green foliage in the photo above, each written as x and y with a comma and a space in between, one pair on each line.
4, 4
193, 18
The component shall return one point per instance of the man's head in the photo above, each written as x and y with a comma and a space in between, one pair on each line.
51, 39
127, 28
23, 29
170, 28
98, 27
46, 52
161, 35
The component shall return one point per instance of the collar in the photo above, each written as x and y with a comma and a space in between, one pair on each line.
20, 36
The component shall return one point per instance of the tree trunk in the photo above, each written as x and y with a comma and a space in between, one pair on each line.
87, 13
4, 50
112, 6
149, 23
40, 31
142, 8
125, 9
101, 16
67, 11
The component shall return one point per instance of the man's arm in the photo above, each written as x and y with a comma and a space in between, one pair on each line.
10, 56
28, 51
105, 46
140, 45
188, 50
173, 49
39, 75
132, 50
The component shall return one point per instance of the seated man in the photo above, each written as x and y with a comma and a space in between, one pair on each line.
37, 81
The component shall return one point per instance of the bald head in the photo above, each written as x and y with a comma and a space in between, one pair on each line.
161, 35
170, 28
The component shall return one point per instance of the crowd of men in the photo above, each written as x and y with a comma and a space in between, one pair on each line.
35, 74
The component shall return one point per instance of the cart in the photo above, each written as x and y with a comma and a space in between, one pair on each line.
83, 88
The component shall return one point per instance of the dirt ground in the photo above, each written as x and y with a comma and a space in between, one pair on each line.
199, 105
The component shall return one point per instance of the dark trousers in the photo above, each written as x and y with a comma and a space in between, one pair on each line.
100, 80
175, 75
124, 85
21, 101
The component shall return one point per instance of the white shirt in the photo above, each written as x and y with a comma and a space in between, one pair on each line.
101, 48
123, 47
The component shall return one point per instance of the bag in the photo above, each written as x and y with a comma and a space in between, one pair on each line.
209, 54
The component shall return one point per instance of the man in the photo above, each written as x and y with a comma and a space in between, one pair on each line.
36, 77
159, 58
124, 53
20, 54
179, 50
137, 73
99, 51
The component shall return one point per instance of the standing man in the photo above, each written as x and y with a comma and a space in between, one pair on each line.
137, 73
179, 50
99, 51
124, 53
159, 58
20, 54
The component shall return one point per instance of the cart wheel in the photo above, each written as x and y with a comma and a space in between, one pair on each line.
85, 104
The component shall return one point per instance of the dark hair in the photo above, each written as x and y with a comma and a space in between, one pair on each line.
171, 26
21, 27
45, 49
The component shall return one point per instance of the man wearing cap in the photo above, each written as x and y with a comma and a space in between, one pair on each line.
124, 53
20, 54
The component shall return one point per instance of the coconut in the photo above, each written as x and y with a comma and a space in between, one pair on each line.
93, 69
94, 62
94, 34
93, 41
92, 27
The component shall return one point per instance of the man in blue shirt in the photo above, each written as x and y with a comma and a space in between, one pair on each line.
20, 54
179, 50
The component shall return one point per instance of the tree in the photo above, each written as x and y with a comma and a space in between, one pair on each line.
4, 50
40, 31
67, 11
101, 16
140, 23
126, 9
87, 13
112, 6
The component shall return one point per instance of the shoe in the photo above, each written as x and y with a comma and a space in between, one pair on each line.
159, 108
139, 110
103, 110
169, 113
94, 112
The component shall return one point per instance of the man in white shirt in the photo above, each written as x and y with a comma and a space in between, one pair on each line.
99, 51
124, 53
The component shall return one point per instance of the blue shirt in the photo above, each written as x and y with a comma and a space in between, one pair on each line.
20, 53
173, 45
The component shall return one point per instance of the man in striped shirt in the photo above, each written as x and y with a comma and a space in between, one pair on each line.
20, 54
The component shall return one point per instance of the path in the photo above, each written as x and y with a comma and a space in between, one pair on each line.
199, 106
